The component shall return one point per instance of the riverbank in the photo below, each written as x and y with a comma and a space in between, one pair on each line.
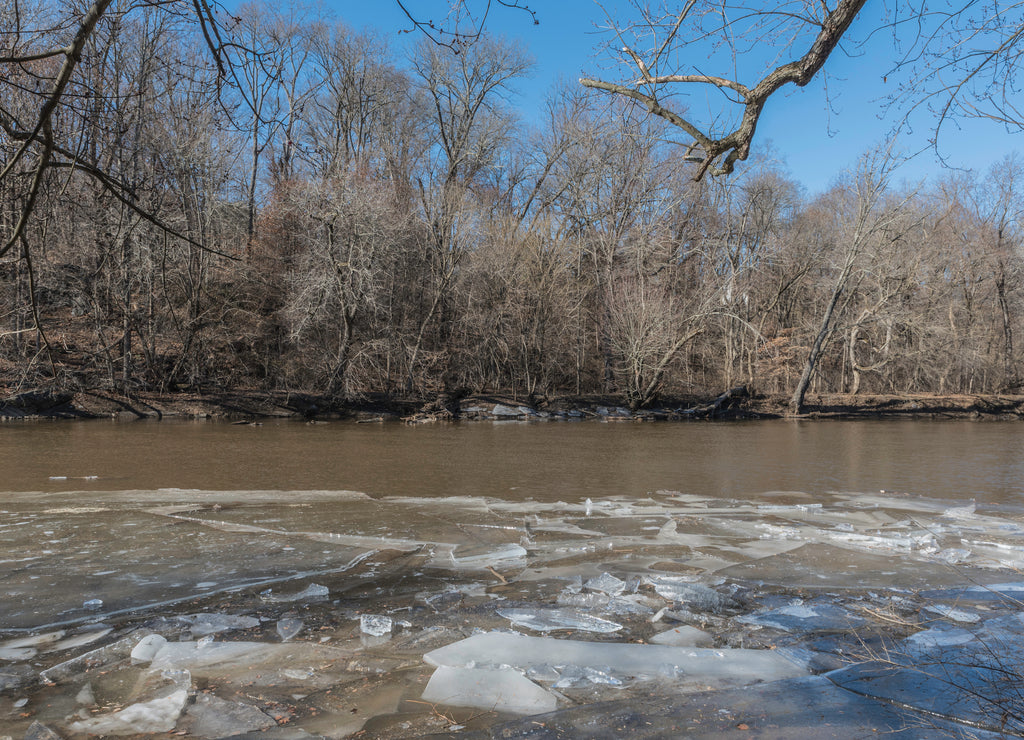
249, 405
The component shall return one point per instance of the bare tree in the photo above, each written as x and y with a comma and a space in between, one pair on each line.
338, 284
864, 214
469, 124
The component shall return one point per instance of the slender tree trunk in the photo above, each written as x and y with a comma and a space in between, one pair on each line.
796, 402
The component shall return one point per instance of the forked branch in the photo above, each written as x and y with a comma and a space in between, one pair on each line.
718, 154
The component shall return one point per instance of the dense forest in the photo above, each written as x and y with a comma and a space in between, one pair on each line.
335, 216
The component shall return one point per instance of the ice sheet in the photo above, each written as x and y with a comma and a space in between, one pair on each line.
187, 564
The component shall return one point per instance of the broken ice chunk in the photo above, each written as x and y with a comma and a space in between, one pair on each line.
93, 604
511, 551
86, 696
695, 595
575, 584
312, 592
79, 640
211, 716
940, 636
147, 648
190, 655
210, 623
17, 653
573, 676
694, 668
543, 672
12, 647
375, 625
806, 618
288, 628
961, 512
957, 615
684, 636
94, 658
499, 690
444, 601
583, 601
668, 530
606, 583
545, 620
156, 715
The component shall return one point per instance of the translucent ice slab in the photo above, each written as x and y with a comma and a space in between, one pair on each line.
695, 666
498, 690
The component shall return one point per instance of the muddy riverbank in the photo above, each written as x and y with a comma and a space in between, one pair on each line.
244, 405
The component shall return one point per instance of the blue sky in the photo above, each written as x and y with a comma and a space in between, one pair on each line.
814, 134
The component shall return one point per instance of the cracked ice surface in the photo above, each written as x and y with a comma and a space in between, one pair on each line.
259, 604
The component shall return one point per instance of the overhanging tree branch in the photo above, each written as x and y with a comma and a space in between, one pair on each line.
718, 154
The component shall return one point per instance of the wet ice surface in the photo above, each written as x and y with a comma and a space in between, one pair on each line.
324, 614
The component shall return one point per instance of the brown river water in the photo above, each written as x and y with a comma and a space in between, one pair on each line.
541, 461
773, 579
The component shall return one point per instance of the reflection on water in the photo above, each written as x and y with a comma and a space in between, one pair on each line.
554, 461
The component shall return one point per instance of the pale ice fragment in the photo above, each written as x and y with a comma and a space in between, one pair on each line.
93, 604
79, 640
375, 625
312, 592
695, 595
147, 648
606, 583
156, 715
583, 601
961, 512
210, 623
957, 615
545, 620
501, 409
588, 507
574, 586
86, 696
189, 655
498, 690
289, 628
210, 716
684, 636
805, 618
543, 672
953, 555
488, 558
17, 653
444, 601
601, 676
94, 658
695, 668
33, 640
938, 637
629, 604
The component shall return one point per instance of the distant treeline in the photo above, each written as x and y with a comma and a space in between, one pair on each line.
331, 216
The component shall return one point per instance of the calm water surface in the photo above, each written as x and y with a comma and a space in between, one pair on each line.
554, 461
